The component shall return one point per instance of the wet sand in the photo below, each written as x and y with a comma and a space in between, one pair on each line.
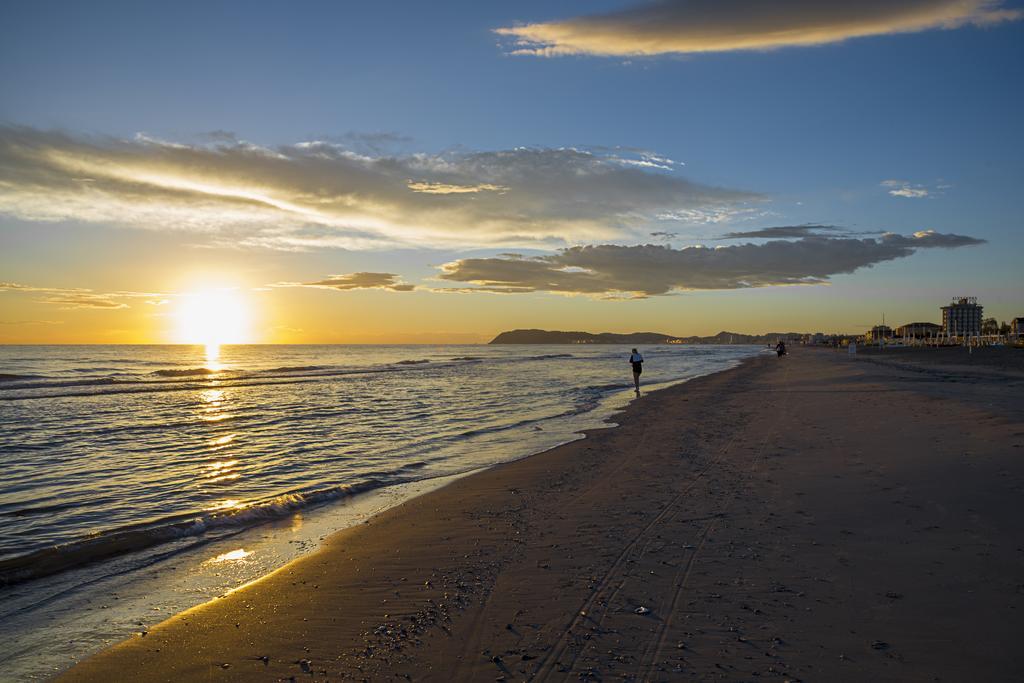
816, 517
985, 360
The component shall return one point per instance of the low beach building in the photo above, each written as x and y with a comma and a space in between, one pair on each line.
1017, 327
918, 331
962, 317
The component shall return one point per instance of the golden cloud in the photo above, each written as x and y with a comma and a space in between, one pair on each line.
694, 26
350, 281
317, 194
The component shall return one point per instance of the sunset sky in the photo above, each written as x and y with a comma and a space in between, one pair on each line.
439, 172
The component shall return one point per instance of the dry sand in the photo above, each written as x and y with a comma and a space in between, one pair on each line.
815, 517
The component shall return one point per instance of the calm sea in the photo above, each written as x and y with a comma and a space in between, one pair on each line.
115, 459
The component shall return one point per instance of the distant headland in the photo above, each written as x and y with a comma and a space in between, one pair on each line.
555, 337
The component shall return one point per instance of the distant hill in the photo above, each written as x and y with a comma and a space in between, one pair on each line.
552, 337
648, 338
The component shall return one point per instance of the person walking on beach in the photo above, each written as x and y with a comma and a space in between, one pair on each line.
637, 361
780, 348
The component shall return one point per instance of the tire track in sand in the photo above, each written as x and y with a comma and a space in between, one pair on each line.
653, 656
551, 661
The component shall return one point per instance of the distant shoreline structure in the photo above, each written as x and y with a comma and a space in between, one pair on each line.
534, 336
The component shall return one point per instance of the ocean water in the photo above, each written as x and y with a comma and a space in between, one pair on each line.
123, 461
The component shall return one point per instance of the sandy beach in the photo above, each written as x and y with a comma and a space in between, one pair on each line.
818, 517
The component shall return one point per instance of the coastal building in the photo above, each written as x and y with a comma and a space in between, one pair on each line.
962, 317
878, 332
1017, 326
918, 330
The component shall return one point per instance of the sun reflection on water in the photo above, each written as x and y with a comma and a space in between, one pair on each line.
212, 397
213, 357
233, 556
212, 407
226, 505
222, 470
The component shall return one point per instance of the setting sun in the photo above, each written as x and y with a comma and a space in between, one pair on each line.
213, 317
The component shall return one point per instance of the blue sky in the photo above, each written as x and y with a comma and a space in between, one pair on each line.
815, 131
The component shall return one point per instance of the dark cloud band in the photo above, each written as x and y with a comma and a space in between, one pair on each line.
648, 270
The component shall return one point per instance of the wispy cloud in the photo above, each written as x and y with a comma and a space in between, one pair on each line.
18, 287
31, 322
447, 188
694, 26
79, 297
910, 192
796, 231
714, 215
322, 194
907, 189
648, 270
68, 301
349, 281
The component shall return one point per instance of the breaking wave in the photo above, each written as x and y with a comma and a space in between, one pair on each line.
16, 378
137, 537
189, 372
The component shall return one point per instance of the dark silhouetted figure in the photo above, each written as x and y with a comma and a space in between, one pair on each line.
637, 361
780, 348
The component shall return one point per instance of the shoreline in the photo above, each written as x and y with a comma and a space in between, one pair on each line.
107, 603
17, 570
603, 423
564, 563
120, 601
